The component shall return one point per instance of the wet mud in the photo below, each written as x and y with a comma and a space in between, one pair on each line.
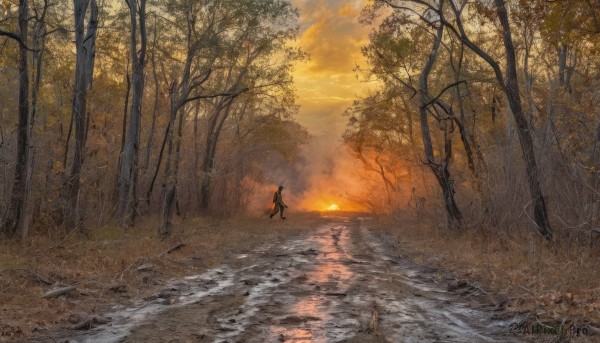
340, 282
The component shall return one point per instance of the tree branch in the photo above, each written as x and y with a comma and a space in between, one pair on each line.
443, 90
227, 94
12, 35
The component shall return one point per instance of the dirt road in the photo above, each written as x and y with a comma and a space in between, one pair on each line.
338, 282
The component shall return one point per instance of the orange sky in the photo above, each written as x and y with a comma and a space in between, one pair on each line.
326, 86
333, 37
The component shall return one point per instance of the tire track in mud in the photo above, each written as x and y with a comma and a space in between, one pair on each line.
320, 287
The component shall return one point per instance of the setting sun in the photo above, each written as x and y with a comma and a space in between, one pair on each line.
326, 202
332, 207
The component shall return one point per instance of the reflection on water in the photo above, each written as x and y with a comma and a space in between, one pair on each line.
327, 280
293, 335
306, 306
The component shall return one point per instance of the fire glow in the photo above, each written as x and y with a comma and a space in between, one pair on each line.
332, 207
325, 202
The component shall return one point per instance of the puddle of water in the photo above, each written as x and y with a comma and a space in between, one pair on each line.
307, 306
328, 272
255, 300
123, 321
277, 333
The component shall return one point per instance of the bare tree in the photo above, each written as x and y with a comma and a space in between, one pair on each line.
189, 88
129, 160
439, 168
509, 85
429, 106
85, 42
15, 222
222, 110
512, 90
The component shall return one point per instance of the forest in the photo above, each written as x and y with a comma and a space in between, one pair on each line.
494, 104
130, 108
499, 111
141, 142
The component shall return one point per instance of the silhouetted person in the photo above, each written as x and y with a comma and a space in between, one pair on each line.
279, 204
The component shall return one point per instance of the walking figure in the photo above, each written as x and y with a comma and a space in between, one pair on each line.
279, 204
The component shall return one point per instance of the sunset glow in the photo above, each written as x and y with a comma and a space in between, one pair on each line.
326, 85
325, 202
333, 207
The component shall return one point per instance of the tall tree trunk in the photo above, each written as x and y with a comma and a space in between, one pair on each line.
439, 169
155, 107
465, 136
214, 130
84, 46
39, 45
158, 162
129, 158
125, 112
123, 125
562, 52
196, 151
524, 130
15, 225
38, 38
170, 181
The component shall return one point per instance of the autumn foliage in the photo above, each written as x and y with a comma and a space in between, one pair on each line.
495, 103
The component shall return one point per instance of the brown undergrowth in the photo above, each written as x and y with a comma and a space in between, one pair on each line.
109, 266
553, 281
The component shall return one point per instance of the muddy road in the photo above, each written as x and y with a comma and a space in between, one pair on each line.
339, 282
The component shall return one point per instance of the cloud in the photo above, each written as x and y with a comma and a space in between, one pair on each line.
348, 10
331, 34
326, 86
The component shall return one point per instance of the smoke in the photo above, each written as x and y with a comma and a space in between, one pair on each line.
321, 176
326, 169
277, 172
325, 174
334, 183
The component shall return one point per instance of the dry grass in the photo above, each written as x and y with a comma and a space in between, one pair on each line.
555, 280
110, 257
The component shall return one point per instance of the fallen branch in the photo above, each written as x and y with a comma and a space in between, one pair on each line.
173, 248
145, 267
58, 292
456, 285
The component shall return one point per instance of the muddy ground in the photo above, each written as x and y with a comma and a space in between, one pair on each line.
338, 282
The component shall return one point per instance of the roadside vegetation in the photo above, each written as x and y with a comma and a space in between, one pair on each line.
110, 268
524, 275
